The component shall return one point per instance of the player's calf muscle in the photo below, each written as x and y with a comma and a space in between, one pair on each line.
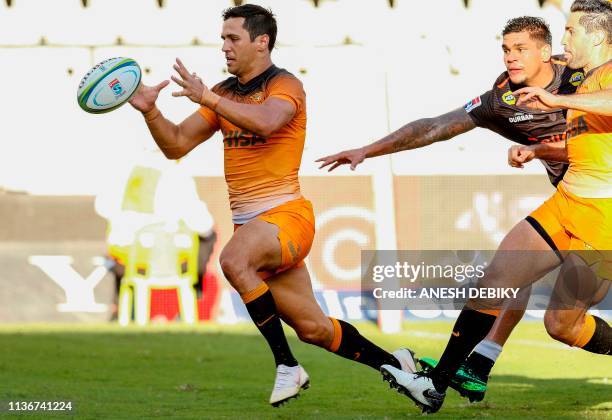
317, 332
563, 325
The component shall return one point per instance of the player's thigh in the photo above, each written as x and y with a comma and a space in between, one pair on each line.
522, 258
577, 286
253, 245
295, 300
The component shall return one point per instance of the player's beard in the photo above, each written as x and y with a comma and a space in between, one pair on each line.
573, 61
234, 69
519, 79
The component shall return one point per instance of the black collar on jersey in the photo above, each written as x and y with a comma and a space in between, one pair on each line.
256, 82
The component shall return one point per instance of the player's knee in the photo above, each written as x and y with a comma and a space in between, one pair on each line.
313, 332
558, 327
485, 303
494, 277
233, 266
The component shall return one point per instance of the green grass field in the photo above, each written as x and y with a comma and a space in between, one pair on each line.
226, 372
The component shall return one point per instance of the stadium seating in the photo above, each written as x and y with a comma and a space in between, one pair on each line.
498, 12
63, 22
51, 142
133, 21
359, 19
178, 22
405, 62
432, 19
22, 24
296, 19
189, 20
346, 107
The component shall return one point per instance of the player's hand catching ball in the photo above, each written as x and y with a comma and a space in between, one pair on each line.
353, 157
518, 155
537, 98
193, 87
145, 97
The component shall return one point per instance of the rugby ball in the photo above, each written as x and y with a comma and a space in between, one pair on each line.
108, 85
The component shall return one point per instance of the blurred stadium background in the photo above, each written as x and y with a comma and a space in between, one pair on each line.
368, 67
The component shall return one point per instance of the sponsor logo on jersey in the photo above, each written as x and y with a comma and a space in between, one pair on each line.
115, 85
238, 138
520, 117
257, 96
509, 98
577, 78
474, 103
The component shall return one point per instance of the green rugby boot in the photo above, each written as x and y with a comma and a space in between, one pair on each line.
466, 382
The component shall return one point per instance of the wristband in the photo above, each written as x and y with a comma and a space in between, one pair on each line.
209, 99
152, 114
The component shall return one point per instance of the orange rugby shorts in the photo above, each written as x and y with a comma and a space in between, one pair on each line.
582, 225
296, 229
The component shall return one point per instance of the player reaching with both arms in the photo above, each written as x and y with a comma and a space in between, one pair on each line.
527, 45
566, 325
576, 219
261, 112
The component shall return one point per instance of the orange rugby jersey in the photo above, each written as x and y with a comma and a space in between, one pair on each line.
589, 143
261, 173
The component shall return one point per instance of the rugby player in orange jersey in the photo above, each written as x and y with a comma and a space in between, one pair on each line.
526, 46
262, 115
577, 218
525, 56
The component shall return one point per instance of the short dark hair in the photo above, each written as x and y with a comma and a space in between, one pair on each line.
597, 16
257, 21
538, 29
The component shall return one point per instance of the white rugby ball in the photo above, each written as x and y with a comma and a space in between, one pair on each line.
108, 85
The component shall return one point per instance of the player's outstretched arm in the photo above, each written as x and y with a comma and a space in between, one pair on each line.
178, 140
599, 102
413, 135
174, 140
556, 151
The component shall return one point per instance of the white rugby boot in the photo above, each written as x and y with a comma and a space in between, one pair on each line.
406, 359
288, 383
416, 386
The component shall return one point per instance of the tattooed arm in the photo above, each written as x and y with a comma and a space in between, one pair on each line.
413, 135
422, 133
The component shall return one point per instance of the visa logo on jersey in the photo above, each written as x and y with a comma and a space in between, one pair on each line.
116, 87
240, 139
